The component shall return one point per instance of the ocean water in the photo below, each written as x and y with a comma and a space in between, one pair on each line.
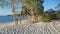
4, 19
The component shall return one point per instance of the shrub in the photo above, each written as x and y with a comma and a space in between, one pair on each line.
45, 20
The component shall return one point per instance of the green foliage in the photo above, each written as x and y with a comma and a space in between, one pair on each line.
24, 10
12, 1
58, 14
51, 15
45, 20
33, 6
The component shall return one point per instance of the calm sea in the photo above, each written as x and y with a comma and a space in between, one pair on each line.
4, 19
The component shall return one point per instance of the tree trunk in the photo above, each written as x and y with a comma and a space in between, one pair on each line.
20, 20
39, 18
15, 20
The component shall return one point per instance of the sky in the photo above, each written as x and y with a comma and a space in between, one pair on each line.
48, 4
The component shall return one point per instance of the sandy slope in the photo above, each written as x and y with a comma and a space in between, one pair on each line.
37, 28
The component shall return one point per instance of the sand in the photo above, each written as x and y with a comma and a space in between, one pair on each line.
2, 25
9, 24
33, 28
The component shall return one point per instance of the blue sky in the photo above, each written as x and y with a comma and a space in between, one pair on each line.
48, 4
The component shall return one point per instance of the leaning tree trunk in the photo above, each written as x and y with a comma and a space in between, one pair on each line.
38, 17
20, 19
32, 18
14, 15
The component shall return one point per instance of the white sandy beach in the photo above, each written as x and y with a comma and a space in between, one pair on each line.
31, 28
8, 24
2, 25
